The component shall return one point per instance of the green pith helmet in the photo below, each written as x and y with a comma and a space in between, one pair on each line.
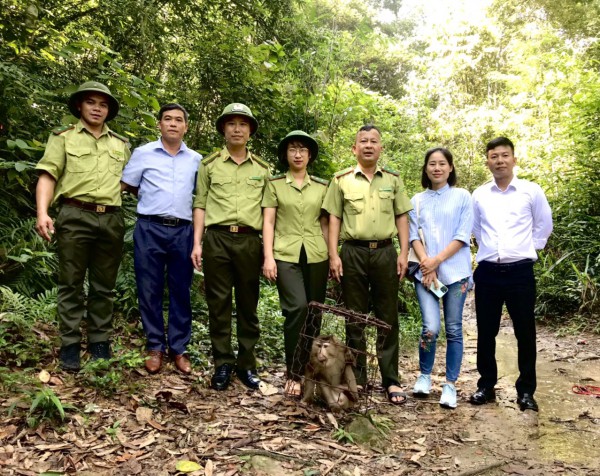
93, 87
302, 137
237, 109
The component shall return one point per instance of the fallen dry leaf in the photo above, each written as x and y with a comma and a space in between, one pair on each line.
44, 376
267, 389
266, 417
143, 414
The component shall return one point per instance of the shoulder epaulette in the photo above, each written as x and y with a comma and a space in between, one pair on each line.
119, 136
276, 177
59, 130
260, 161
319, 180
211, 157
390, 171
341, 173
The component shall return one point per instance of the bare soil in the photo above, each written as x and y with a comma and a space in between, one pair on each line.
171, 418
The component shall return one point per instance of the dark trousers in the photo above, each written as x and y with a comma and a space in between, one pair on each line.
513, 285
298, 284
87, 242
232, 260
158, 247
372, 272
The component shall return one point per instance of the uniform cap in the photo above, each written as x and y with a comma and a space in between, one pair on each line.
237, 109
302, 137
93, 87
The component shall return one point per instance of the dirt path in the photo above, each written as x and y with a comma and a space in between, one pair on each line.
172, 419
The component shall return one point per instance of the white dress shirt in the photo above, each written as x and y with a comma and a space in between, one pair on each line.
510, 225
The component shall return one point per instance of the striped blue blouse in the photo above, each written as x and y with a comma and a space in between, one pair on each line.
444, 215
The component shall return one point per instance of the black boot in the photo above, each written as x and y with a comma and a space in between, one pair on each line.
100, 350
69, 357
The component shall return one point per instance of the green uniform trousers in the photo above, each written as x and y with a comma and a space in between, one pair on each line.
298, 284
232, 260
372, 272
87, 242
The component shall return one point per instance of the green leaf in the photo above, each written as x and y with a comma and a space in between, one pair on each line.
187, 466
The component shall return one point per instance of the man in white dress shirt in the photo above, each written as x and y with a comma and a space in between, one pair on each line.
512, 219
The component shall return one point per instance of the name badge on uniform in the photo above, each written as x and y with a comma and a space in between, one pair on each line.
256, 178
385, 189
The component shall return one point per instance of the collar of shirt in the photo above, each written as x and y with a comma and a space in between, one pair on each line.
440, 191
358, 170
289, 179
159, 145
225, 155
80, 126
514, 184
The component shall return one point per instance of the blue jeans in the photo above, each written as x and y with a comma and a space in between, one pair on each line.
453, 302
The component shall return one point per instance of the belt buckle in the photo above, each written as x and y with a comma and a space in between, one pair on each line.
372, 245
234, 229
170, 221
100, 208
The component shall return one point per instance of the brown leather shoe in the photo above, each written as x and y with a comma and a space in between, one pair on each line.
182, 362
154, 360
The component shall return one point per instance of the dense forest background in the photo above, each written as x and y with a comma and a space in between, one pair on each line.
451, 73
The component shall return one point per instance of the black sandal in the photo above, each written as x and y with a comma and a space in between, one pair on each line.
391, 395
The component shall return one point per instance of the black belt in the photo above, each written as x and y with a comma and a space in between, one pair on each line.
166, 221
505, 266
92, 207
234, 228
370, 244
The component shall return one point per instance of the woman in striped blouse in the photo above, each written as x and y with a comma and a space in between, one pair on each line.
440, 231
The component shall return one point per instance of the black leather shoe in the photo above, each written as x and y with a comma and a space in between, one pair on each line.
483, 395
527, 402
248, 378
69, 357
222, 376
100, 350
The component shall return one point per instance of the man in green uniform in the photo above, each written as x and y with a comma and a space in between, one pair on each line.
81, 170
228, 205
367, 207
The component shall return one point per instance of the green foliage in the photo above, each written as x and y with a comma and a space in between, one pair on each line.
270, 347
44, 405
342, 436
26, 327
111, 376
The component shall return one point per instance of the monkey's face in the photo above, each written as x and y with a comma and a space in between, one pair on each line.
323, 351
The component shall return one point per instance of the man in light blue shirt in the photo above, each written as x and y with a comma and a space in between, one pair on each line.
163, 176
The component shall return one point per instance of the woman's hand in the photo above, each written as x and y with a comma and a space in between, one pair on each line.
430, 264
428, 279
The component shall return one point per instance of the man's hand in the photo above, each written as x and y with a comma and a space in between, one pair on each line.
44, 227
335, 268
270, 269
402, 266
197, 257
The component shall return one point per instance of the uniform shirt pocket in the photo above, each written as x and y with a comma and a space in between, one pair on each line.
254, 187
386, 199
354, 203
221, 187
116, 162
80, 160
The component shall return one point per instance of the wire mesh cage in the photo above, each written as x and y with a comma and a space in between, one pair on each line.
337, 371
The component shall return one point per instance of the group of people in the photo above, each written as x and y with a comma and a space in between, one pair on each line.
242, 221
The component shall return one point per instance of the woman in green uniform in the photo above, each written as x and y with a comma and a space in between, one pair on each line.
295, 249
